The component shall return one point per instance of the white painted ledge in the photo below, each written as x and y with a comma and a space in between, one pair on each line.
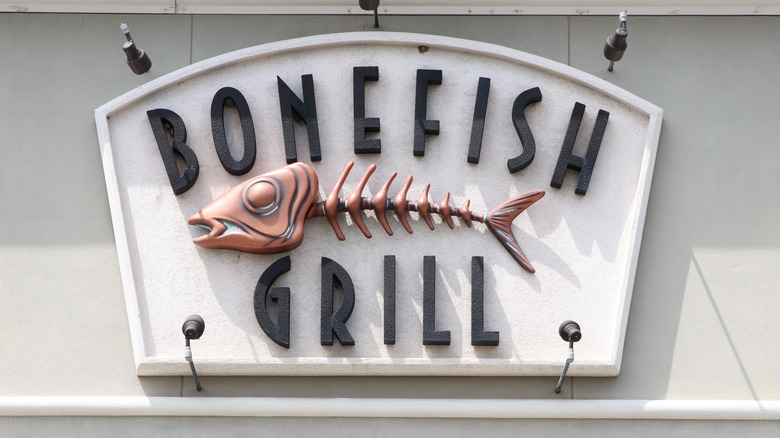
389, 408
420, 7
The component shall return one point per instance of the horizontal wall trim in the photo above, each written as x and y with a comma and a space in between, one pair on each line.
389, 408
427, 7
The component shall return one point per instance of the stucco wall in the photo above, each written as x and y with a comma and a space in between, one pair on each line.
705, 299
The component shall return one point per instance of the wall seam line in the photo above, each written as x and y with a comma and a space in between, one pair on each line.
192, 25
568, 41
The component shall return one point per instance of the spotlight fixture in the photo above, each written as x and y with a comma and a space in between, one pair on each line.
137, 59
569, 331
371, 5
193, 329
616, 44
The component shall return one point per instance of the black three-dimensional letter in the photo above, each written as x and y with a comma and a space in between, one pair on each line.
478, 335
278, 333
567, 160
247, 129
306, 109
422, 126
362, 125
331, 323
478, 123
525, 98
161, 121
389, 299
431, 336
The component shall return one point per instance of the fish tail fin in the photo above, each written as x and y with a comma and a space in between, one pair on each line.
499, 222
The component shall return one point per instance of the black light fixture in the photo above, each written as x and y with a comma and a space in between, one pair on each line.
616, 44
137, 59
371, 5
569, 331
193, 329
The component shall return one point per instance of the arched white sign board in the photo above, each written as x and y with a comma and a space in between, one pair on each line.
584, 247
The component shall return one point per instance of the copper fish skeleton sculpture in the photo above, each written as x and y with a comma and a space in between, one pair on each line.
265, 214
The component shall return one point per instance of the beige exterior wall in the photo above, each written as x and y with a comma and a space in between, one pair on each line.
706, 297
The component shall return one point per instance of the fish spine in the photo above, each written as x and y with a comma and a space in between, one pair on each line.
381, 203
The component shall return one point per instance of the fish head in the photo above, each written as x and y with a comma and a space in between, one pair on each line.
262, 215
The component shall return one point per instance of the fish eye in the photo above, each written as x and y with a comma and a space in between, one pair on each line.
261, 197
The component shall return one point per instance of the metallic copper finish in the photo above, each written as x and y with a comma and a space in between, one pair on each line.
380, 204
465, 214
401, 206
499, 222
332, 202
424, 207
355, 201
262, 215
265, 214
443, 208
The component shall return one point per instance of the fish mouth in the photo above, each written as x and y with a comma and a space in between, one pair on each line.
215, 228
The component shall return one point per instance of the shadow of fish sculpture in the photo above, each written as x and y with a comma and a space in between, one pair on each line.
265, 214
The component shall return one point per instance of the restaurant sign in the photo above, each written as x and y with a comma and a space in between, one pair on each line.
378, 204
